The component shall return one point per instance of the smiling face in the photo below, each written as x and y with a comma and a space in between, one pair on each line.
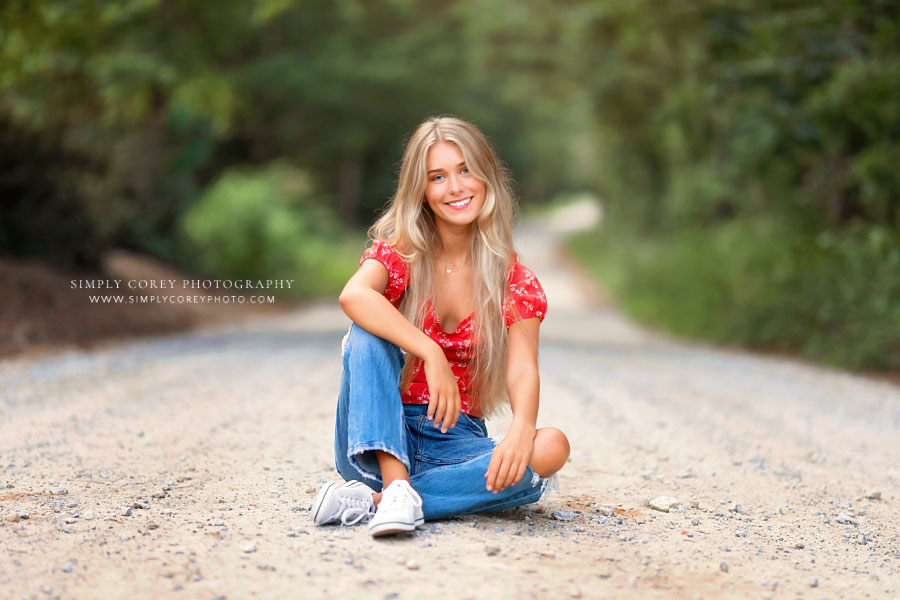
453, 193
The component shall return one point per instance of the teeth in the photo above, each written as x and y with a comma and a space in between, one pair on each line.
460, 203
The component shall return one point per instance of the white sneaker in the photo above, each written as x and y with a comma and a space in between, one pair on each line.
349, 503
400, 510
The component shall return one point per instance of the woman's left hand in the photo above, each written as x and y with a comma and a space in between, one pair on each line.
510, 458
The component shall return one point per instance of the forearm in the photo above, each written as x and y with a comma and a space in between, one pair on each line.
374, 313
524, 398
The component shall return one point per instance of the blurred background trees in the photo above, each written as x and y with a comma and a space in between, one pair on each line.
746, 151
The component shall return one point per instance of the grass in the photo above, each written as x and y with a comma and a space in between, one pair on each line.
835, 298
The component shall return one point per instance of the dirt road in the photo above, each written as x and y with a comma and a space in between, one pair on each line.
185, 466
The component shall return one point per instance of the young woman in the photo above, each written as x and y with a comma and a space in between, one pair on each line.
440, 284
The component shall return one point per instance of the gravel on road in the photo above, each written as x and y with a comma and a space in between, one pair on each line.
186, 466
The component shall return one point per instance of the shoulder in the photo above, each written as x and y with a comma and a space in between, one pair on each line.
520, 274
381, 249
385, 253
527, 298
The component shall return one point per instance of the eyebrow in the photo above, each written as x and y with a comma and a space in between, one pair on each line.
458, 165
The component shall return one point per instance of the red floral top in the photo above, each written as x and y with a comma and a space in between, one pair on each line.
526, 300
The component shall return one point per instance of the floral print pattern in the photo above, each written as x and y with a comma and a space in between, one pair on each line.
526, 300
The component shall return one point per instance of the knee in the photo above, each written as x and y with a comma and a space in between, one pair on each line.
551, 451
365, 344
558, 442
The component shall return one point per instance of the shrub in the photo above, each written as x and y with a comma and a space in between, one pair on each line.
834, 297
268, 224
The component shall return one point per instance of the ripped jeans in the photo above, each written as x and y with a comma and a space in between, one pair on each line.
446, 469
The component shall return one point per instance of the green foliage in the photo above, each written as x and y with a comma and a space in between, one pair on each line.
267, 224
833, 297
688, 118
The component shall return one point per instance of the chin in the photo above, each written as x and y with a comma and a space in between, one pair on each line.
461, 220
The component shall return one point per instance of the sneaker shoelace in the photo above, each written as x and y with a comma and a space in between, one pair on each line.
354, 510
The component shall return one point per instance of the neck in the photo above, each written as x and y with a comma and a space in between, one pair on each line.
455, 242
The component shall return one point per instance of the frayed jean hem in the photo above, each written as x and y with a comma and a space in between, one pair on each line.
361, 448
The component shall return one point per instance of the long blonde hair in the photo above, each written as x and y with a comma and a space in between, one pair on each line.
408, 224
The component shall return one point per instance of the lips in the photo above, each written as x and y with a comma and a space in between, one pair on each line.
460, 204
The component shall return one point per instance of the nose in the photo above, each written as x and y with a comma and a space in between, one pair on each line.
456, 184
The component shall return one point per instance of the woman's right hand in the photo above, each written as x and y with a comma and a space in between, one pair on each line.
444, 405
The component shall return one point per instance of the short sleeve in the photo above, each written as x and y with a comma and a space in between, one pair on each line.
384, 253
526, 296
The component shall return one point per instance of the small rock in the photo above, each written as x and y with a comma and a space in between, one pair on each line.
58, 491
412, 564
562, 515
723, 566
11, 518
126, 512
575, 593
862, 539
492, 550
548, 553
845, 519
249, 548
125, 537
663, 503
151, 526
24, 516
606, 511
88, 515
814, 582
799, 545
695, 522
47, 589
263, 566
874, 495
736, 508
67, 568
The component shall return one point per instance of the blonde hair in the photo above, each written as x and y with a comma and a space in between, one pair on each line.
408, 224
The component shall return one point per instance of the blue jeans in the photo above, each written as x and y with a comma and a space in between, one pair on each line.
446, 469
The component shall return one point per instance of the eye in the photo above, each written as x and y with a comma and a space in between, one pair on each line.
437, 177
465, 170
